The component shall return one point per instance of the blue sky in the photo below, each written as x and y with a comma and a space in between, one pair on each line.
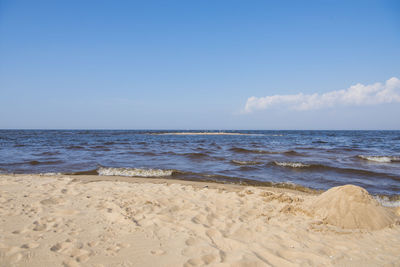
196, 64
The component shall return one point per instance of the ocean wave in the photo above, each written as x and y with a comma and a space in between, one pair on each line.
47, 153
381, 159
73, 147
258, 151
51, 173
109, 143
292, 164
292, 153
99, 148
134, 172
215, 145
245, 150
246, 168
240, 162
319, 142
141, 143
348, 171
35, 162
392, 201
193, 155
143, 153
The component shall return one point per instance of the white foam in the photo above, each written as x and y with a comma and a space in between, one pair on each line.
51, 173
134, 172
382, 159
292, 164
385, 201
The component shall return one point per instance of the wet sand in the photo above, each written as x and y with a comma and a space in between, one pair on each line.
121, 221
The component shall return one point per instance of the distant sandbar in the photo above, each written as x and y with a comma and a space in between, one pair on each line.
201, 133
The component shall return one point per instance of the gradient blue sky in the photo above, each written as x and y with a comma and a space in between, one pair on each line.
193, 64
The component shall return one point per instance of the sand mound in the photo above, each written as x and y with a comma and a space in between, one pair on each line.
351, 207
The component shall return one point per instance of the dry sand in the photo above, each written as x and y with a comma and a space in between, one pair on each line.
84, 221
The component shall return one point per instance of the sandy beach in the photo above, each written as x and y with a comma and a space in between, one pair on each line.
121, 221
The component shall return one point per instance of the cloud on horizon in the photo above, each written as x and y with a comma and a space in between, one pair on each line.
356, 95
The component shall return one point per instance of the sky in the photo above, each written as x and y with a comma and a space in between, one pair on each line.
200, 64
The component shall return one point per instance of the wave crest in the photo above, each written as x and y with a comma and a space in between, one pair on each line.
258, 151
240, 162
292, 164
381, 159
134, 172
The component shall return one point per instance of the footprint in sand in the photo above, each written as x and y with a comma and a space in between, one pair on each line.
73, 250
80, 255
39, 226
200, 219
193, 262
52, 201
18, 232
30, 245
70, 263
61, 247
93, 244
157, 252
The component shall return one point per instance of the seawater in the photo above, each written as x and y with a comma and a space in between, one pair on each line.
314, 159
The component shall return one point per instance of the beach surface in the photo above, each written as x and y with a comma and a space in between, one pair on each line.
122, 221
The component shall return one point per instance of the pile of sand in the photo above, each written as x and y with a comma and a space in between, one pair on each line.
352, 207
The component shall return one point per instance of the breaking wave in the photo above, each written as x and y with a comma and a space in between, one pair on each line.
388, 201
348, 171
134, 172
292, 164
381, 159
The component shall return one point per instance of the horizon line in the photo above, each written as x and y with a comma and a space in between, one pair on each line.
143, 129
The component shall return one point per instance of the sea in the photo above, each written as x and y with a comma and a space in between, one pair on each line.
310, 159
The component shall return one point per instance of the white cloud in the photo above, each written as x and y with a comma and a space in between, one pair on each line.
356, 95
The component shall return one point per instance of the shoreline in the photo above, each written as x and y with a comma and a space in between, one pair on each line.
211, 183
93, 175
